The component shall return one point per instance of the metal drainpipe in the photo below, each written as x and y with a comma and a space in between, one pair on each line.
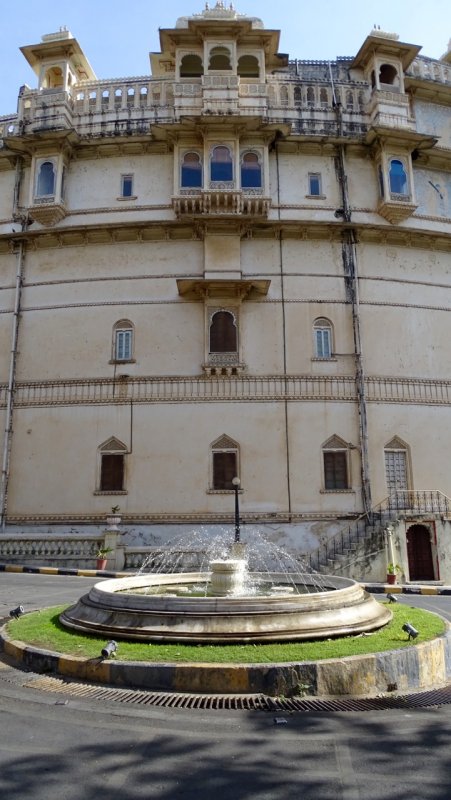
13, 356
352, 290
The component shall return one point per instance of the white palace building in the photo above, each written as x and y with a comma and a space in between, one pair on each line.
236, 266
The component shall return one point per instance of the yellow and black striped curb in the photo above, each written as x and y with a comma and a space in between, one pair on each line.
374, 588
84, 573
419, 666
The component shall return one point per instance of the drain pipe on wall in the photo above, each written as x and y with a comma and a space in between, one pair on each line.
19, 250
349, 256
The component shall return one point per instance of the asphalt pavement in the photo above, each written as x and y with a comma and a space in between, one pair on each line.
57, 746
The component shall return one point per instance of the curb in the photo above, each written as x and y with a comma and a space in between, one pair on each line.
373, 588
420, 666
83, 573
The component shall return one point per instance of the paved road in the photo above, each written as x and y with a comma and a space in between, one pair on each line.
57, 747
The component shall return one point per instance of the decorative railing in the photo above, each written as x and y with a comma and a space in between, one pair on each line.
400, 503
129, 105
236, 387
429, 69
148, 390
213, 203
64, 551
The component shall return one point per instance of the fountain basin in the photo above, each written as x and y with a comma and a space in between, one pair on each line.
112, 609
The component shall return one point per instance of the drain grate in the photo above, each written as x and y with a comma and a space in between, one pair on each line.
239, 702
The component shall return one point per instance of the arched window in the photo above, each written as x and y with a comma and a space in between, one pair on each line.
191, 66
283, 95
220, 59
221, 164
223, 333
54, 78
349, 101
123, 341
388, 74
112, 466
398, 177
225, 463
310, 97
336, 464
46, 179
322, 334
248, 67
251, 171
105, 98
297, 94
191, 171
143, 92
323, 98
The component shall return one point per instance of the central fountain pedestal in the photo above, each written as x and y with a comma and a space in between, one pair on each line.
227, 577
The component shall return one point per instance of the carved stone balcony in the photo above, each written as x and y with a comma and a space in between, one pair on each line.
46, 211
225, 364
397, 208
221, 202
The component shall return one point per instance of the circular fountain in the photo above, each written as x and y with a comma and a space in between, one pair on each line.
225, 603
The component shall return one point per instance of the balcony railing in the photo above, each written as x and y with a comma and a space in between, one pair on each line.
221, 203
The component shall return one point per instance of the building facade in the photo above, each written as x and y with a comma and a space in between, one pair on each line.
237, 266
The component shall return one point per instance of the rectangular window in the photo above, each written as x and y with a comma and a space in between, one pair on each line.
127, 186
112, 472
323, 343
123, 345
314, 184
335, 470
224, 470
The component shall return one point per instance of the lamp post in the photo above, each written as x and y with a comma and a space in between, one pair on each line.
236, 483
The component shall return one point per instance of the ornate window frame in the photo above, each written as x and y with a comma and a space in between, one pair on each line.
336, 446
224, 444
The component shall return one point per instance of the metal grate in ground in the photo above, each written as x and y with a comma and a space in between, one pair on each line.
239, 702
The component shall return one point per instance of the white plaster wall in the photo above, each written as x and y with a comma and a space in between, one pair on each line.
7, 180
425, 429
433, 119
97, 183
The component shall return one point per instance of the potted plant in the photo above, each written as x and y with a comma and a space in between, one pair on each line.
101, 557
113, 519
392, 572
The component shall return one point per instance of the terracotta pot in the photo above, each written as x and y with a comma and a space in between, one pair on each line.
391, 579
101, 563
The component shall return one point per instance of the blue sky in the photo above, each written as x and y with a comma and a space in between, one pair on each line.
117, 36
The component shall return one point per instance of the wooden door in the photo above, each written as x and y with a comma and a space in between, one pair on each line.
419, 553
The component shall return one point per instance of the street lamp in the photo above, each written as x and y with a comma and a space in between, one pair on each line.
236, 483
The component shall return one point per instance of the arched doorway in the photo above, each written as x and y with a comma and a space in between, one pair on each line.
419, 553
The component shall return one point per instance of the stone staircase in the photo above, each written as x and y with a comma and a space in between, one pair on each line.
351, 551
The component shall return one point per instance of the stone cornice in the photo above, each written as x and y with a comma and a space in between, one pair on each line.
146, 231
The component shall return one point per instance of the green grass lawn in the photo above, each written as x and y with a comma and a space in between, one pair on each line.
43, 629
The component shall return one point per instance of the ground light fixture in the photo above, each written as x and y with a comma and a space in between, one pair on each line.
109, 650
391, 598
17, 612
408, 628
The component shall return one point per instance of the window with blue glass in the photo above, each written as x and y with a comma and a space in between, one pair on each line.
251, 171
398, 177
46, 179
191, 171
221, 164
